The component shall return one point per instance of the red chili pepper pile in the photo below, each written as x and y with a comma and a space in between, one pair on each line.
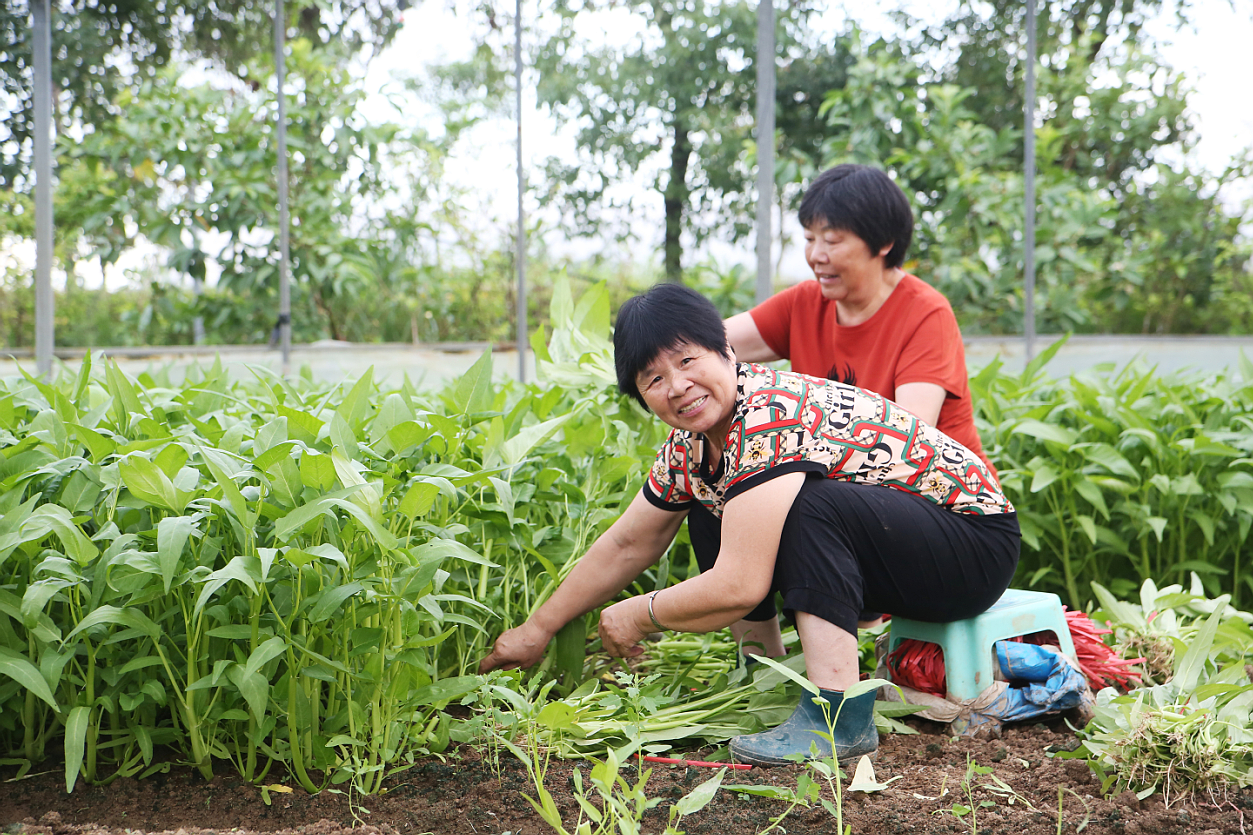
920, 664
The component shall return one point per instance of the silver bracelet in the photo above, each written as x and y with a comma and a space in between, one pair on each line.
653, 617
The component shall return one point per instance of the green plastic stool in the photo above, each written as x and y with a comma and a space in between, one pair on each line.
969, 657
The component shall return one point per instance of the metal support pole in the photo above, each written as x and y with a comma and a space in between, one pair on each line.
284, 221
521, 294
44, 254
197, 323
765, 147
1028, 177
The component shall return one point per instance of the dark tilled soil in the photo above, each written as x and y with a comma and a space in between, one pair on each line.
468, 793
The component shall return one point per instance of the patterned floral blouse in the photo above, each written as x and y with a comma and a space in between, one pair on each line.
786, 422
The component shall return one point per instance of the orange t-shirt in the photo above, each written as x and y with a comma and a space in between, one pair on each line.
913, 338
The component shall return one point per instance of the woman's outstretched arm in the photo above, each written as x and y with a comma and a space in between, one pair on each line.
752, 523
631, 544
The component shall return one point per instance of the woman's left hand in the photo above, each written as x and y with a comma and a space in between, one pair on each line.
621, 627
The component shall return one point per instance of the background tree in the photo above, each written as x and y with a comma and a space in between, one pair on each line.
1132, 235
1113, 215
190, 169
804, 78
681, 97
984, 48
102, 48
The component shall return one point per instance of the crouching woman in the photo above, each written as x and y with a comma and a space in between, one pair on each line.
832, 497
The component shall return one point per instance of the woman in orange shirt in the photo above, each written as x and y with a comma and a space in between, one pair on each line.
863, 321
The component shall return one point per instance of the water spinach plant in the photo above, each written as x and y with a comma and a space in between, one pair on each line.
1121, 476
279, 572
282, 576
1191, 729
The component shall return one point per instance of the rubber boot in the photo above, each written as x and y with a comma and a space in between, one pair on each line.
854, 732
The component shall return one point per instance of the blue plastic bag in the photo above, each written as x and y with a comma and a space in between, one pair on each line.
1039, 681
1050, 684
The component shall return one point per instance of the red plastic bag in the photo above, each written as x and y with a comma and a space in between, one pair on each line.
920, 665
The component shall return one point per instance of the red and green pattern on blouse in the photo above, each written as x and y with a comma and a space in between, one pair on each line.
786, 422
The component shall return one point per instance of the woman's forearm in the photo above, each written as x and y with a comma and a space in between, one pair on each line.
739, 580
704, 604
742, 575
707, 602
636, 540
701, 604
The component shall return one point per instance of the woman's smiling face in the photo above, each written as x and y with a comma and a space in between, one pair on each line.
842, 262
691, 388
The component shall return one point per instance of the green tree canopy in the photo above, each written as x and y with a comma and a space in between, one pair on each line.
678, 100
100, 48
984, 45
189, 167
1128, 239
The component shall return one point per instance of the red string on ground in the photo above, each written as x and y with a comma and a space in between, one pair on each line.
1097, 659
698, 763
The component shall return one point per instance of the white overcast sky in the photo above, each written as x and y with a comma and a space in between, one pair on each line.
1213, 53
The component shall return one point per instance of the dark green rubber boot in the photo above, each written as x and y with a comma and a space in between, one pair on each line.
854, 732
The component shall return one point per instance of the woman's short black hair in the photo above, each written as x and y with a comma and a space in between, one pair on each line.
664, 317
864, 201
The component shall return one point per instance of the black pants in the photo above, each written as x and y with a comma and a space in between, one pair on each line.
851, 548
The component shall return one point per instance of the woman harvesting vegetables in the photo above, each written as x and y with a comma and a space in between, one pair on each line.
835, 498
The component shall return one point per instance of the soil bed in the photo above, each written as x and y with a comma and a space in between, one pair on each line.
468, 793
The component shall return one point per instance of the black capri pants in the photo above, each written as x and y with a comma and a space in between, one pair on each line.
850, 548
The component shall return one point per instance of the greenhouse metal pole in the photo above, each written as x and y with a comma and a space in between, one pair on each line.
44, 300
284, 220
765, 146
521, 325
1028, 178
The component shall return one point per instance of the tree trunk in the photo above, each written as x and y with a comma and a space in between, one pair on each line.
676, 199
